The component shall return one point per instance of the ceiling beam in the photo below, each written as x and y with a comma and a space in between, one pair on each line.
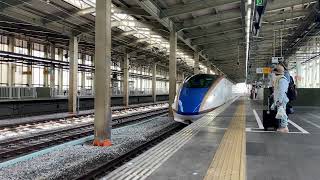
220, 44
216, 39
194, 6
11, 3
30, 18
213, 30
285, 16
211, 19
278, 4
218, 35
122, 10
154, 11
218, 50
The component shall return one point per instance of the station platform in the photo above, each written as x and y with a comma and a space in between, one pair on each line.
230, 143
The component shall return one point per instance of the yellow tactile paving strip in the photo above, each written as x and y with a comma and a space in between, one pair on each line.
229, 162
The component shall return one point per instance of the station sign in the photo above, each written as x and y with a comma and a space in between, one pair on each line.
259, 2
264, 70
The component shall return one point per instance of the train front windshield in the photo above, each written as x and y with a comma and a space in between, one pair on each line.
201, 81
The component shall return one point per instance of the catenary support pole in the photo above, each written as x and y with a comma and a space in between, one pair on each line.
46, 69
60, 70
208, 67
102, 120
126, 80
196, 69
83, 73
73, 74
52, 68
154, 82
172, 69
11, 66
29, 67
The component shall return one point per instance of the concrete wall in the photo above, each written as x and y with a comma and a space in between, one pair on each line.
22, 108
306, 97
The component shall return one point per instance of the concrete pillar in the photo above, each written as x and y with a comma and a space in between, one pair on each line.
83, 73
319, 74
92, 73
11, 66
102, 120
208, 67
172, 69
29, 68
52, 68
73, 74
126, 80
142, 79
46, 69
60, 70
154, 82
196, 69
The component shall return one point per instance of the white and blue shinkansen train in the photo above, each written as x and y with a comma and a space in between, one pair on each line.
200, 94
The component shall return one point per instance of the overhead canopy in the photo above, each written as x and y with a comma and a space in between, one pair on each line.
214, 28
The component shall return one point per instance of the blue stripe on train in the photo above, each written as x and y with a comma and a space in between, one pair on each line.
190, 100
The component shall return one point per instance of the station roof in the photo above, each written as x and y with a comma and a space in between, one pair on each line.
216, 29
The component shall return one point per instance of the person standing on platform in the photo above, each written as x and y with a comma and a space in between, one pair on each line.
255, 92
286, 72
281, 85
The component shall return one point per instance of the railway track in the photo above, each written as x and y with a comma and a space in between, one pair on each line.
103, 169
16, 147
113, 109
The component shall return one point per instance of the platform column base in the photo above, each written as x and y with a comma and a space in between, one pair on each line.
104, 143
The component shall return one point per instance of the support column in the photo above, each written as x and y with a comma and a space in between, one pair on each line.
46, 69
83, 73
102, 120
60, 70
142, 80
154, 82
126, 80
196, 69
319, 74
208, 67
52, 68
92, 74
29, 68
73, 74
11, 66
172, 69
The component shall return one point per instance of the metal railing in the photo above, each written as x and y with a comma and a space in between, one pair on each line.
139, 92
17, 92
31, 92
63, 93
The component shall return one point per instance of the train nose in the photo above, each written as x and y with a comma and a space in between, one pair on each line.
190, 100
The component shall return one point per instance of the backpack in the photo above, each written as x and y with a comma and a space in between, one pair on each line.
292, 91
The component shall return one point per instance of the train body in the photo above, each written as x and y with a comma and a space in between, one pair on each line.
200, 94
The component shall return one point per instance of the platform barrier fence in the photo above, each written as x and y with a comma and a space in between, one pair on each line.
31, 92
17, 92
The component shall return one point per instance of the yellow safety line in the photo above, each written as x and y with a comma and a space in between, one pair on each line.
229, 162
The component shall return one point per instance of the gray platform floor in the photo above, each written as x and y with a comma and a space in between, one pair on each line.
270, 155
293, 156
